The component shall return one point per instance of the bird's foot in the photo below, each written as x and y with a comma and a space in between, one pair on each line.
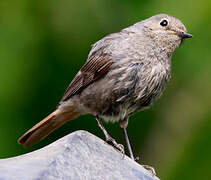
120, 147
150, 168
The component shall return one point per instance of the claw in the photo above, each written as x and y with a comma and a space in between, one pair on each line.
120, 147
151, 169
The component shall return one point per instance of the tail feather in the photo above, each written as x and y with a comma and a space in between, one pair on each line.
45, 127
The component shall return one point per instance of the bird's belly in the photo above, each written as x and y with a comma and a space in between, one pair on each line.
147, 96
135, 102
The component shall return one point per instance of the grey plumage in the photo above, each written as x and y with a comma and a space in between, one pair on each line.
124, 73
141, 66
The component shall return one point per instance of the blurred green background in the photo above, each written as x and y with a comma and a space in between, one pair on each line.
44, 43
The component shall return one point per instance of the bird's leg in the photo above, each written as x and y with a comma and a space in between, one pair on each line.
120, 147
123, 125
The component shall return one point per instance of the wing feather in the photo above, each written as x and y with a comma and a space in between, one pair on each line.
95, 68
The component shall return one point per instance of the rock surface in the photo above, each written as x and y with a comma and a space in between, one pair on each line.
77, 156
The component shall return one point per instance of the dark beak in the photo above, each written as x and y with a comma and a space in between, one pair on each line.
184, 35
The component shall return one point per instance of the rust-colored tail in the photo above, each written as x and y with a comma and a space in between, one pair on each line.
46, 126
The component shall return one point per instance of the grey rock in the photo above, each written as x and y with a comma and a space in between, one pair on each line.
77, 156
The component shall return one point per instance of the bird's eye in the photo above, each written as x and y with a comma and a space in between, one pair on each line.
164, 22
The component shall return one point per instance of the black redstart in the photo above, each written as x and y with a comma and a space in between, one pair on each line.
124, 73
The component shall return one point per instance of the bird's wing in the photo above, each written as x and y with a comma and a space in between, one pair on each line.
93, 69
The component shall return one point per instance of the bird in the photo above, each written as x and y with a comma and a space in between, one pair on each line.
125, 73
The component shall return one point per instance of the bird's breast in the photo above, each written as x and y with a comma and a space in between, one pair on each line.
152, 83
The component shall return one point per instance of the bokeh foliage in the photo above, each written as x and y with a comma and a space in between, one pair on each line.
44, 43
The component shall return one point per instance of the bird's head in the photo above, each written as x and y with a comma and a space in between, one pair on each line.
165, 30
